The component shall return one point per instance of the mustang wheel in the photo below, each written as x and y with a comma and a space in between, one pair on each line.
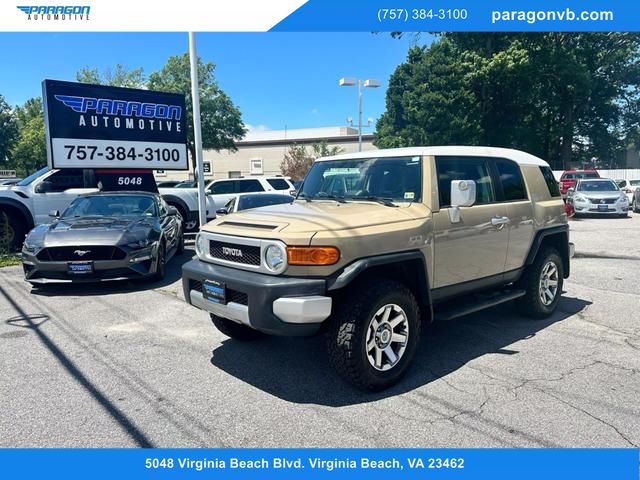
374, 334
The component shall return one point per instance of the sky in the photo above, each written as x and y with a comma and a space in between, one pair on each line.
278, 80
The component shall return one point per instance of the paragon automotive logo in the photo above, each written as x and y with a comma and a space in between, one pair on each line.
56, 12
96, 112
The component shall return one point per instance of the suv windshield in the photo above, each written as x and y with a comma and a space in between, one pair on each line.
394, 179
32, 177
112, 206
598, 186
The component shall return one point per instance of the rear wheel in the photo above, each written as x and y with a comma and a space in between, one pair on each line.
542, 282
374, 334
235, 330
12, 231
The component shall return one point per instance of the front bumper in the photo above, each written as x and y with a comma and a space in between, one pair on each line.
271, 304
618, 208
37, 271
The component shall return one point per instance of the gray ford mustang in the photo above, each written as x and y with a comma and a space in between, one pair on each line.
104, 236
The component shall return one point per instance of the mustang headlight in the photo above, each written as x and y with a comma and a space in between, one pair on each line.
29, 246
275, 258
201, 245
140, 243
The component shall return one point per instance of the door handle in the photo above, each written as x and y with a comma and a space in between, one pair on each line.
495, 221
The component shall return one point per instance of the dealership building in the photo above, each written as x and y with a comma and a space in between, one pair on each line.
261, 152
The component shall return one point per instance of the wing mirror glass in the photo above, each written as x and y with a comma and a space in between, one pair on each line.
54, 213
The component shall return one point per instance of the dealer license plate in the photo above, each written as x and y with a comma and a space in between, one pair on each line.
80, 268
603, 208
214, 291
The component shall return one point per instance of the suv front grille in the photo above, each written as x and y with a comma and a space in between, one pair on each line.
601, 201
231, 252
71, 254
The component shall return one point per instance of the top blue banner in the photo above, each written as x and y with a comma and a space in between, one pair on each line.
463, 15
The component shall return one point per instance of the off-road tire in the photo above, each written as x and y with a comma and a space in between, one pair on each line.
531, 304
346, 337
235, 330
14, 229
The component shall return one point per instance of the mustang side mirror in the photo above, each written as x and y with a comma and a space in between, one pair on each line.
172, 211
54, 213
222, 211
463, 194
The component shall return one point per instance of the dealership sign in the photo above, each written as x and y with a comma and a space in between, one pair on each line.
92, 126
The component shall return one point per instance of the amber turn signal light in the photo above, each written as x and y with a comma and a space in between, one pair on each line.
312, 255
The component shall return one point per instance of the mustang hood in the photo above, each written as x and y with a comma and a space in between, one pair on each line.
92, 231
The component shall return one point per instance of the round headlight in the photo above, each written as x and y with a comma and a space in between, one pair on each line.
274, 257
201, 245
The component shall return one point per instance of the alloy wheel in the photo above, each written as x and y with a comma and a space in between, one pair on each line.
548, 287
387, 336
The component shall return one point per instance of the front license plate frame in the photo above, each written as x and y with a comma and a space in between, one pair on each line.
80, 268
214, 291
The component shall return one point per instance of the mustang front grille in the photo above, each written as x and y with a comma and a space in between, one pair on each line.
75, 254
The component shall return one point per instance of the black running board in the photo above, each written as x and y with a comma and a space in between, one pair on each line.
460, 311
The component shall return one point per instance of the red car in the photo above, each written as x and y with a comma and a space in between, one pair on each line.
570, 177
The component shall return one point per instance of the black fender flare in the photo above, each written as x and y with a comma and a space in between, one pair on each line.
562, 230
21, 207
352, 271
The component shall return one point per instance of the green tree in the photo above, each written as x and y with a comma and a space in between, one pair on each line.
119, 76
298, 159
220, 119
29, 152
8, 132
562, 96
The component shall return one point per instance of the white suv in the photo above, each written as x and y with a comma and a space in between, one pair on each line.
223, 190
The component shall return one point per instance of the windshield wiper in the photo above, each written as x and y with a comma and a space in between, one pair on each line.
383, 201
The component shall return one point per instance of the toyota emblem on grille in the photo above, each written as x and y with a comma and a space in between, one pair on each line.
233, 252
81, 253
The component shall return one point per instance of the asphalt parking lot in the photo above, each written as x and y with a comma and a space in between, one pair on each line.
131, 365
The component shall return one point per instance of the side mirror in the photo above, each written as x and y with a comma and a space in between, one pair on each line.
463, 193
172, 211
54, 213
222, 211
44, 187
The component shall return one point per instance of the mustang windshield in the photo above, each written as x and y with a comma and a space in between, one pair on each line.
598, 186
112, 206
396, 179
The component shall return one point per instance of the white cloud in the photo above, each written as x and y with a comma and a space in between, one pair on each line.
256, 128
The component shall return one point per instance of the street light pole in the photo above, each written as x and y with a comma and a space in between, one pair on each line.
350, 82
197, 134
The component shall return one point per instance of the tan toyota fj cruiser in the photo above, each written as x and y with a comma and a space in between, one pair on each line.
377, 243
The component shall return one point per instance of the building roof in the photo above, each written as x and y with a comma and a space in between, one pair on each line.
518, 156
302, 135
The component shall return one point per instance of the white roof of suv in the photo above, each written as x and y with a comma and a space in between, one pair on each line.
517, 156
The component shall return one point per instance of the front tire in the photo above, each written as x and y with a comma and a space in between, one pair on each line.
374, 334
235, 330
542, 281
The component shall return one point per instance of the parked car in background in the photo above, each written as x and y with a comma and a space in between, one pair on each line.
598, 197
9, 181
569, 210
168, 183
222, 190
187, 184
104, 236
570, 177
629, 187
253, 200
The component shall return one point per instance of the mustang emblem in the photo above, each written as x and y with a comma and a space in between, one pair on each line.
81, 253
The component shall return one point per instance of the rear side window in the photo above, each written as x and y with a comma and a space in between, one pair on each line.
550, 180
248, 186
464, 168
511, 180
278, 183
223, 187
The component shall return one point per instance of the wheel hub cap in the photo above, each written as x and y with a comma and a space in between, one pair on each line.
387, 336
548, 283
